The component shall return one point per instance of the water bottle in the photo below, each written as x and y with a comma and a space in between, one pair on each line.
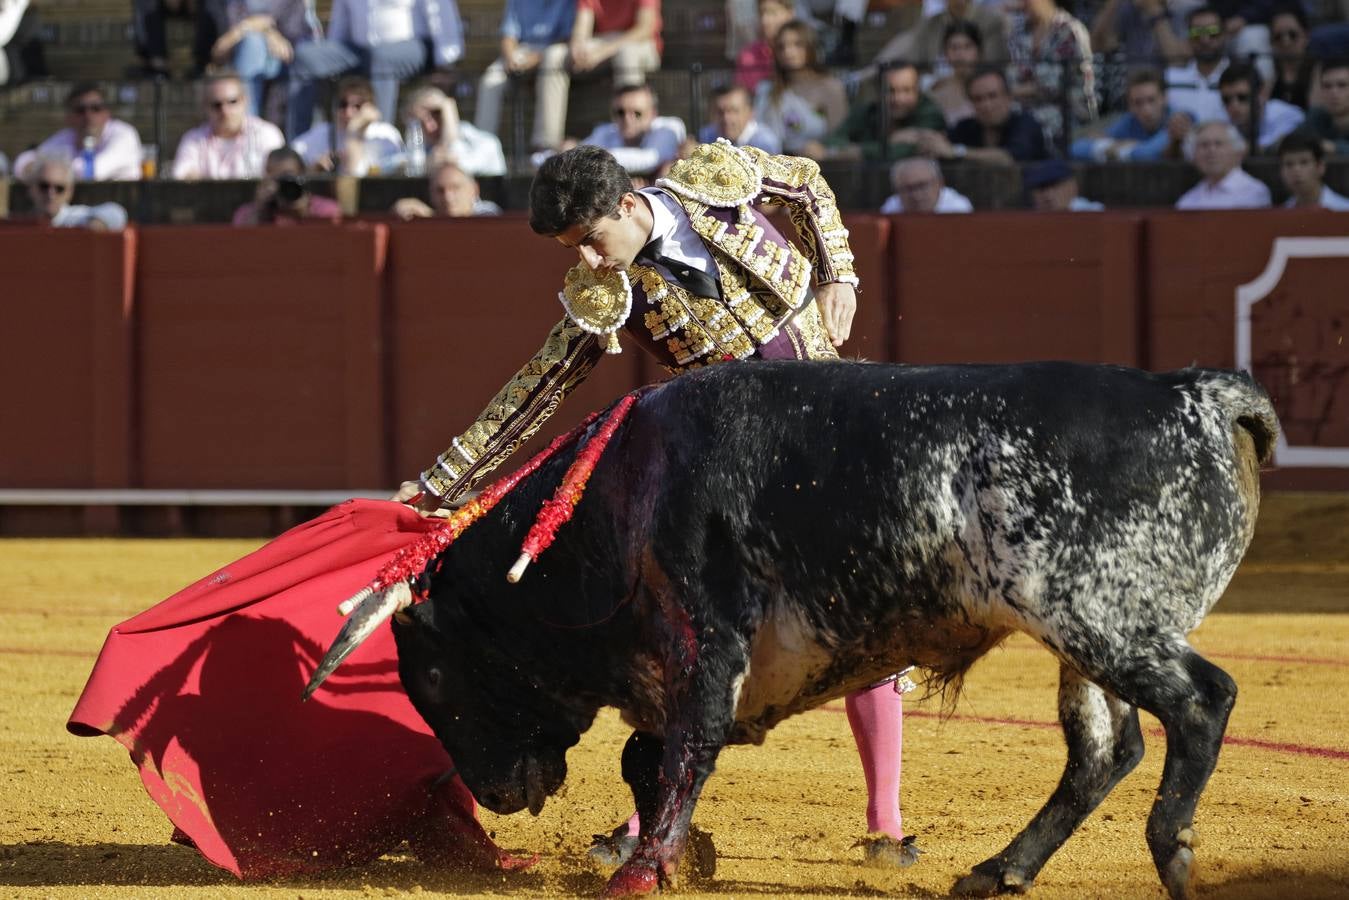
87, 155
416, 153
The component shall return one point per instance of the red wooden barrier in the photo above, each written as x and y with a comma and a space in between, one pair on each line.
260, 357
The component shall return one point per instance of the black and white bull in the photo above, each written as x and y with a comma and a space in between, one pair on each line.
761, 538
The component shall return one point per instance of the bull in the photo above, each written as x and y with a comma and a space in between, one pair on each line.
761, 538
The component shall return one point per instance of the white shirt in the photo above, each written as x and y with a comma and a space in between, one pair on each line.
678, 239
948, 201
1328, 200
117, 153
203, 155
1278, 119
660, 145
1236, 190
383, 147
111, 215
369, 23
1189, 92
1082, 204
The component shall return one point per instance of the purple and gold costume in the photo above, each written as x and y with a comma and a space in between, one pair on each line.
767, 308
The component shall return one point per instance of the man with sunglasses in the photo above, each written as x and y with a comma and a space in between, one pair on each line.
1192, 89
100, 147
365, 144
232, 143
642, 141
1248, 108
50, 187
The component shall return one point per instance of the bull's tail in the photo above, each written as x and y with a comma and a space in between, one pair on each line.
1247, 406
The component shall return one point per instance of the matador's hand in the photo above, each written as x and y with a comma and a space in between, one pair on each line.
838, 304
411, 493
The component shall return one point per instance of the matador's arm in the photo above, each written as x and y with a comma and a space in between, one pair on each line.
796, 182
517, 411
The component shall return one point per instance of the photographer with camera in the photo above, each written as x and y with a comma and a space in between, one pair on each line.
283, 196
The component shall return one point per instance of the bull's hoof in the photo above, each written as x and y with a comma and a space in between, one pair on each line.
610, 851
634, 879
986, 881
881, 851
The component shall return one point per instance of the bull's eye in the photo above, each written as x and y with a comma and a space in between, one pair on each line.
433, 678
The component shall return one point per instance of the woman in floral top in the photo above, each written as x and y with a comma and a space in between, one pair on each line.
1050, 53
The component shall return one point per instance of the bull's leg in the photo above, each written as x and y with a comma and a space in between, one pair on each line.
1104, 745
642, 757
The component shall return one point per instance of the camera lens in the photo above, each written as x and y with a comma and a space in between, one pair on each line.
290, 188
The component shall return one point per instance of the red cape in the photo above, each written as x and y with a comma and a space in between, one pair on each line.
204, 691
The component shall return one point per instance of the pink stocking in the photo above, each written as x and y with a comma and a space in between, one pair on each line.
877, 719
634, 825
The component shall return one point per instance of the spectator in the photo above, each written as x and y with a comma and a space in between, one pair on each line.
1293, 67
365, 145
260, 39
888, 129
1052, 186
996, 134
388, 41
534, 37
642, 141
733, 119
50, 185
920, 188
1302, 166
147, 24
754, 63
1216, 147
1141, 134
1192, 89
99, 147
283, 197
1330, 120
962, 52
1246, 23
1140, 30
1050, 68
448, 139
231, 144
21, 52
803, 102
454, 194
624, 31
925, 43
1268, 120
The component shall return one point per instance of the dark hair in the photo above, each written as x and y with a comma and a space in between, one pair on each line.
808, 37
1240, 71
1302, 140
355, 84
1291, 9
576, 187
967, 28
1145, 76
727, 90
897, 65
80, 89
285, 154
624, 89
1201, 11
986, 70
1329, 65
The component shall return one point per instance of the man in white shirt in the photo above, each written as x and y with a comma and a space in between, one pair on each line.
99, 147
1192, 89
643, 142
1302, 166
733, 119
231, 144
1216, 149
921, 188
50, 186
388, 41
454, 194
1243, 97
365, 145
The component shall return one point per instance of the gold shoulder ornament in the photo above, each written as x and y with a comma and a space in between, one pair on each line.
599, 304
716, 174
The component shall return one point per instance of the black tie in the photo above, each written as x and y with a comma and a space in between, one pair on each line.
695, 281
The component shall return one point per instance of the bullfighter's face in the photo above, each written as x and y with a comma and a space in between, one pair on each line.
612, 242
508, 742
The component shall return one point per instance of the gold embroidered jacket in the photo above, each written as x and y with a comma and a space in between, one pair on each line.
767, 307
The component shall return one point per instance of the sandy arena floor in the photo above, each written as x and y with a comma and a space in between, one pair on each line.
1274, 821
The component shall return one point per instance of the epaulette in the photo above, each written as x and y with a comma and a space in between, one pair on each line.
717, 174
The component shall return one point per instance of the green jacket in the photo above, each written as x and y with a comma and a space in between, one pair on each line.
863, 128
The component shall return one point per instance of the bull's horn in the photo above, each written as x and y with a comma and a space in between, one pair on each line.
372, 608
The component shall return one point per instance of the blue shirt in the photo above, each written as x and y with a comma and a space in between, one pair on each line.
1150, 146
540, 22
754, 135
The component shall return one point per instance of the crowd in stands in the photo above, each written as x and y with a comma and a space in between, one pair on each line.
972, 82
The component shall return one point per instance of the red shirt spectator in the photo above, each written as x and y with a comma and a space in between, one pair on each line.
613, 16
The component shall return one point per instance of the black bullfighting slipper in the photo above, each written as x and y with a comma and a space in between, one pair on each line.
884, 852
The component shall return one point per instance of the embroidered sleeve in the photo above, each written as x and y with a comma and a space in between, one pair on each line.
796, 183
517, 411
